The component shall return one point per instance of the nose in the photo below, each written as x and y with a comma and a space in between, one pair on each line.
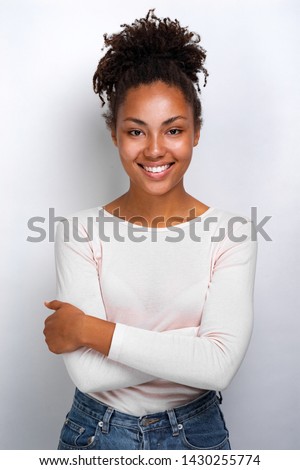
154, 147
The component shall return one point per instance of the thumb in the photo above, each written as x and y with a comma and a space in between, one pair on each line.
53, 304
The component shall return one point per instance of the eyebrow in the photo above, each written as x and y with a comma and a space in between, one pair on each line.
165, 123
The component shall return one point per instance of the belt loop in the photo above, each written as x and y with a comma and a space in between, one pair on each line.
173, 422
106, 418
220, 398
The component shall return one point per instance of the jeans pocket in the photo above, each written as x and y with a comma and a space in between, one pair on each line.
78, 433
205, 430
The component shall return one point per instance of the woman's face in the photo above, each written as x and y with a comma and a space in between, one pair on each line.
155, 135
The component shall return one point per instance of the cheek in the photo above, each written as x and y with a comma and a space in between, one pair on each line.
127, 158
128, 149
183, 148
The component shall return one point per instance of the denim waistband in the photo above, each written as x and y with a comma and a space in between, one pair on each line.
107, 415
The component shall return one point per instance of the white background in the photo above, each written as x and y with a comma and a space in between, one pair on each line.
56, 153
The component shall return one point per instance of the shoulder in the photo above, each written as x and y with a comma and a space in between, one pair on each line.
78, 225
83, 215
233, 231
224, 215
228, 221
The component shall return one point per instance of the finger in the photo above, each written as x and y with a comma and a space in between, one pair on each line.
49, 319
45, 333
53, 304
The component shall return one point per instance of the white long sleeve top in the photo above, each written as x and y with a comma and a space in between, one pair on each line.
181, 298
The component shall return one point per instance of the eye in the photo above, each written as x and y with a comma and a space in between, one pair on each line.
135, 133
175, 131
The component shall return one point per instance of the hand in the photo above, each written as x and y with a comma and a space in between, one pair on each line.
64, 327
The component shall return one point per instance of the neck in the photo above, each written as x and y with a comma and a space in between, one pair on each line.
158, 208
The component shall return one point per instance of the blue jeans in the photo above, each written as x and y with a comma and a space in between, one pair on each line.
92, 425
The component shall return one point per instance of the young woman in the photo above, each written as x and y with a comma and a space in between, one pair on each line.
154, 303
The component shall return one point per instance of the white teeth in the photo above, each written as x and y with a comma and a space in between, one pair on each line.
156, 169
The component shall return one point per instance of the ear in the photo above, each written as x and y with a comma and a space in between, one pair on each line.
114, 136
196, 136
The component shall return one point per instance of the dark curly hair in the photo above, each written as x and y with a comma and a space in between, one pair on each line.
148, 50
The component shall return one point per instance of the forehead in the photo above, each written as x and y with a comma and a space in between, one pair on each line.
157, 99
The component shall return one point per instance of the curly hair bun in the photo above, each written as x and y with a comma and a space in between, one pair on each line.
137, 53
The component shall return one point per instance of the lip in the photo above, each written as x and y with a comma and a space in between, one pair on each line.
156, 176
153, 165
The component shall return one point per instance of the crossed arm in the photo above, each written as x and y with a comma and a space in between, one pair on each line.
100, 355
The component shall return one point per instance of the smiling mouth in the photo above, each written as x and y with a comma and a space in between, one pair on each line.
156, 169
